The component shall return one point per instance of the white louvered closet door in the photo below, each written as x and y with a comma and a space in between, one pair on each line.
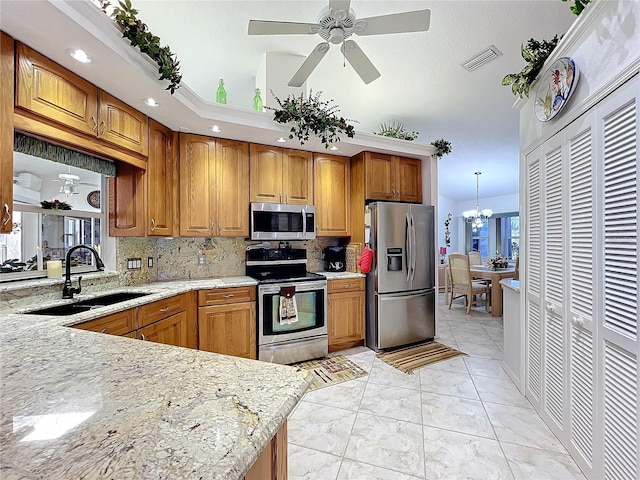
533, 258
618, 135
554, 351
581, 299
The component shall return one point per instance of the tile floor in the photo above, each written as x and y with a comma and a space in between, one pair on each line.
458, 419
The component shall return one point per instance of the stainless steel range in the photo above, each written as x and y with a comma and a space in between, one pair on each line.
282, 273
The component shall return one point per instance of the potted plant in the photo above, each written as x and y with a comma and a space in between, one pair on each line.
535, 53
497, 262
395, 130
311, 115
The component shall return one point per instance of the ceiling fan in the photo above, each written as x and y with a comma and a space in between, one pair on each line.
336, 23
70, 183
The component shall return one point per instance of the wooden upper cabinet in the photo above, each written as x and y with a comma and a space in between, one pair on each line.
332, 179
53, 102
121, 125
280, 175
197, 171
49, 90
379, 178
127, 202
409, 179
7, 72
232, 188
297, 177
388, 177
161, 178
265, 167
214, 187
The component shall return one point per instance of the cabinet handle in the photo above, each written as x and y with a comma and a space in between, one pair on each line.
213, 227
104, 128
280, 197
153, 224
286, 198
142, 336
95, 124
7, 213
346, 285
219, 227
228, 295
104, 330
164, 309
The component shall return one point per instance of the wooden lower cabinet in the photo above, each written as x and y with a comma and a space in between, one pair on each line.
346, 314
121, 323
272, 462
228, 329
170, 331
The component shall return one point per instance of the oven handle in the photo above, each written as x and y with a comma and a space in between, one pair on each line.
301, 287
251, 263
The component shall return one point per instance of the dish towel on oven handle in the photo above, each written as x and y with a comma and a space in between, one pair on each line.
288, 307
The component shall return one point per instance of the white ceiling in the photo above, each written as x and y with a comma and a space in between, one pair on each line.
422, 85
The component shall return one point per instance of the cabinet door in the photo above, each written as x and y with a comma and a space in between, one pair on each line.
121, 323
121, 125
232, 188
297, 177
48, 90
332, 179
228, 329
379, 177
172, 330
266, 173
345, 320
409, 180
161, 181
197, 175
7, 71
127, 202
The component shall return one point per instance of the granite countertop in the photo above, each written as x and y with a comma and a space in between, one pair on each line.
340, 275
511, 284
80, 404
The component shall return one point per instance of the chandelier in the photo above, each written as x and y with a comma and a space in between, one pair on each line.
477, 218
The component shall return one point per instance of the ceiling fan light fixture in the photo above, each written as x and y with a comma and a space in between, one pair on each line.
482, 58
336, 35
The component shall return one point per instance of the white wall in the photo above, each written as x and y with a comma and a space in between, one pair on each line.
446, 206
500, 204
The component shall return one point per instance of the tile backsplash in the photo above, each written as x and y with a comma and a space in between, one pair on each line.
179, 258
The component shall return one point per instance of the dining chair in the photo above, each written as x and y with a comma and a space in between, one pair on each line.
475, 258
463, 284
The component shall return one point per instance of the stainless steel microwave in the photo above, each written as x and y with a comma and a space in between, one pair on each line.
277, 221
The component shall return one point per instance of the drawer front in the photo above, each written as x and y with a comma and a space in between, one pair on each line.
221, 296
119, 323
155, 311
345, 285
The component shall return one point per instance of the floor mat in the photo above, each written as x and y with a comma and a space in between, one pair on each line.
408, 359
331, 370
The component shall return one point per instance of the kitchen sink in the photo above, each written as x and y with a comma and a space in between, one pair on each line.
84, 305
111, 299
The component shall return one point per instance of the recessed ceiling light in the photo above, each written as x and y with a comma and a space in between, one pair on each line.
79, 55
333, 147
281, 140
152, 102
184, 129
216, 129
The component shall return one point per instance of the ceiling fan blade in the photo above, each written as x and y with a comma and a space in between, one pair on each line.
417, 21
340, 4
265, 27
309, 65
359, 61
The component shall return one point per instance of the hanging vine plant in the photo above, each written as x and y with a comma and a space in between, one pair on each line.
535, 54
139, 35
311, 115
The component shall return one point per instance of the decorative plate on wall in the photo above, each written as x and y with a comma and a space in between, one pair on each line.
93, 199
555, 88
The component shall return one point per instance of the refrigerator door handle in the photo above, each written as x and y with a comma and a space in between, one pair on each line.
414, 248
407, 246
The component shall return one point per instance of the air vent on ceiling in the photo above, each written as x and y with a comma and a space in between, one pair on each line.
482, 58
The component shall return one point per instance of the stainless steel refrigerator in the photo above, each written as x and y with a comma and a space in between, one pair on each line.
401, 283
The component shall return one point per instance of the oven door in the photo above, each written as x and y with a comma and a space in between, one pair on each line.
311, 301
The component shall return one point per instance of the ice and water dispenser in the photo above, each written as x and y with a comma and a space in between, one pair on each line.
394, 259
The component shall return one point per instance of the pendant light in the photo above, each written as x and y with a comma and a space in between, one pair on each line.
477, 218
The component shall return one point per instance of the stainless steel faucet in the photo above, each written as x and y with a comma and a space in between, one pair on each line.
68, 290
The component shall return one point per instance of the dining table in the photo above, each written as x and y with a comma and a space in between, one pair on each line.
479, 271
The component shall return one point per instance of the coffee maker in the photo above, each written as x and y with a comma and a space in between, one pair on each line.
335, 259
